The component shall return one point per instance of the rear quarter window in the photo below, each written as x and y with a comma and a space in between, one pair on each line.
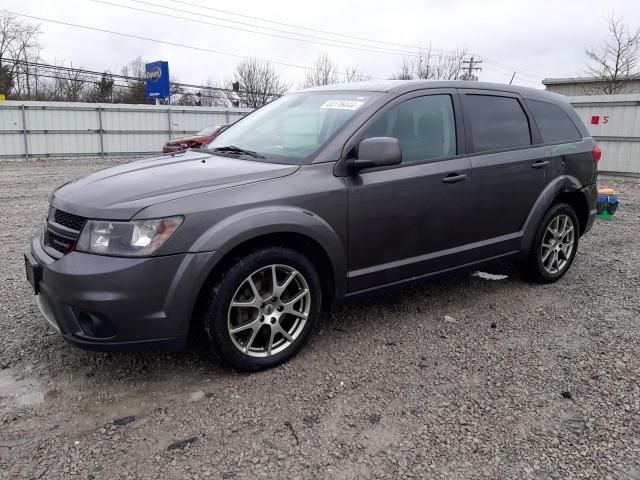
496, 122
554, 124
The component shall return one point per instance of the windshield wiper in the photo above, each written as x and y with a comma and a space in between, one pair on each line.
234, 149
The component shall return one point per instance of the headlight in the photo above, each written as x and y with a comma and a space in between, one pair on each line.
127, 239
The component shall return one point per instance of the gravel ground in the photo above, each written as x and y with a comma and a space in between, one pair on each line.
519, 381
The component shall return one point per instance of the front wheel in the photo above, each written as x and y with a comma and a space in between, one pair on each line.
555, 245
263, 308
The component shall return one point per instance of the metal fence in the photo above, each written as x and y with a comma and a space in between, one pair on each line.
55, 129
614, 122
61, 129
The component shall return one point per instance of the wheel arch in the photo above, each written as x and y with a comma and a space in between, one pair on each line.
282, 226
565, 189
579, 204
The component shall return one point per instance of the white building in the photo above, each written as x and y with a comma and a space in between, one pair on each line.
572, 87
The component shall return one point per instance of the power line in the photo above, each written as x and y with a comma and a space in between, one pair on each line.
400, 53
191, 47
261, 19
471, 71
347, 45
512, 69
228, 12
61, 68
155, 40
526, 80
288, 32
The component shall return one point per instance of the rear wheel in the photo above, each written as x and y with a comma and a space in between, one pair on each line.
263, 309
555, 245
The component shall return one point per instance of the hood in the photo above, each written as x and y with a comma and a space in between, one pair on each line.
119, 192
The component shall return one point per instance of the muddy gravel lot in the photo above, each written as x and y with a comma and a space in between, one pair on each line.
518, 381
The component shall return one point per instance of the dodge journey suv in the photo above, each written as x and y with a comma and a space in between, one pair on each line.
319, 195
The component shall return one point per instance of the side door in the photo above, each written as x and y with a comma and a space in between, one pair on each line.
403, 218
510, 167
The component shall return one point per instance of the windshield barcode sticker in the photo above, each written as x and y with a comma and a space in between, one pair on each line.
342, 104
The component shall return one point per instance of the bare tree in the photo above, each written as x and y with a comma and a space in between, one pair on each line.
19, 49
71, 84
354, 74
254, 84
102, 90
135, 88
213, 94
323, 72
29, 56
616, 60
405, 70
9, 33
6, 79
432, 66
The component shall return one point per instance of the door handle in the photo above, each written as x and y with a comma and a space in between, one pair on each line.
454, 178
540, 164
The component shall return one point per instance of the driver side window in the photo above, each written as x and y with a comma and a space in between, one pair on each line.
424, 126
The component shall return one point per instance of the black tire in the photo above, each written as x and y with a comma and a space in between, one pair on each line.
533, 265
226, 287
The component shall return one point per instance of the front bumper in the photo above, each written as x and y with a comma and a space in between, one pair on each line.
113, 303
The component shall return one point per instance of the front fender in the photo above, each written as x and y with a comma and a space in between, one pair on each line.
247, 225
564, 183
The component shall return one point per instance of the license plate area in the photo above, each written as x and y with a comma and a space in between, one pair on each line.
33, 271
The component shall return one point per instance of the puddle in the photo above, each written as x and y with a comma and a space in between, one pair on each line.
489, 276
23, 392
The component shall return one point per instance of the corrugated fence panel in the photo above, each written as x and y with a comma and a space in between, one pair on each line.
89, 129
13, 143
64, 143
61, 119
620, 157
614, 122
11, 119
146, 142
127, 119
189, 120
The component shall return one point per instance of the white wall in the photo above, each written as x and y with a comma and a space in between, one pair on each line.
61, 129
584, 88
618, 129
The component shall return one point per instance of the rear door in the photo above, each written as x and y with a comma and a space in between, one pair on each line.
509, 164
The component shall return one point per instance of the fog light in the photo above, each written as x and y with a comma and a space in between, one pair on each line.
94, 326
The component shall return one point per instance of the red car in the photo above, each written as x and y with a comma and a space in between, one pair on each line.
193, 141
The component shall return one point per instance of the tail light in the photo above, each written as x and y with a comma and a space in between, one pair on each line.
597, 153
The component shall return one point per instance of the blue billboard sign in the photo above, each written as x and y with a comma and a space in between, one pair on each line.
157, 80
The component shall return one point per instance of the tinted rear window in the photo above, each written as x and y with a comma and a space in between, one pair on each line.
554, 124
496, 122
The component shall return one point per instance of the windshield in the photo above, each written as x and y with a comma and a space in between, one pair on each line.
207, 131
293, 128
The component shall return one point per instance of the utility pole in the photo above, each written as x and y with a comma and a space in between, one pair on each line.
471, 69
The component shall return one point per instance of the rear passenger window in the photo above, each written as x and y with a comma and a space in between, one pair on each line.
424, 127
496, 122
554, 124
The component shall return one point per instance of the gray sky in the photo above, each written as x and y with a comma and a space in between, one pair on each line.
538, 38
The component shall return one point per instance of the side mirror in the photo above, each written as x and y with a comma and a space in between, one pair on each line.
377, 152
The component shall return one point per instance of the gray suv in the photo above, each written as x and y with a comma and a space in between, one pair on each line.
320, 195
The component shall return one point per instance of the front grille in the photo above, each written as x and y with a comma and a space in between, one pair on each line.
69, 220
62, 240
58, 242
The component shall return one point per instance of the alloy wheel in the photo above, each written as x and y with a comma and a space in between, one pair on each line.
557, 244
269, 310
